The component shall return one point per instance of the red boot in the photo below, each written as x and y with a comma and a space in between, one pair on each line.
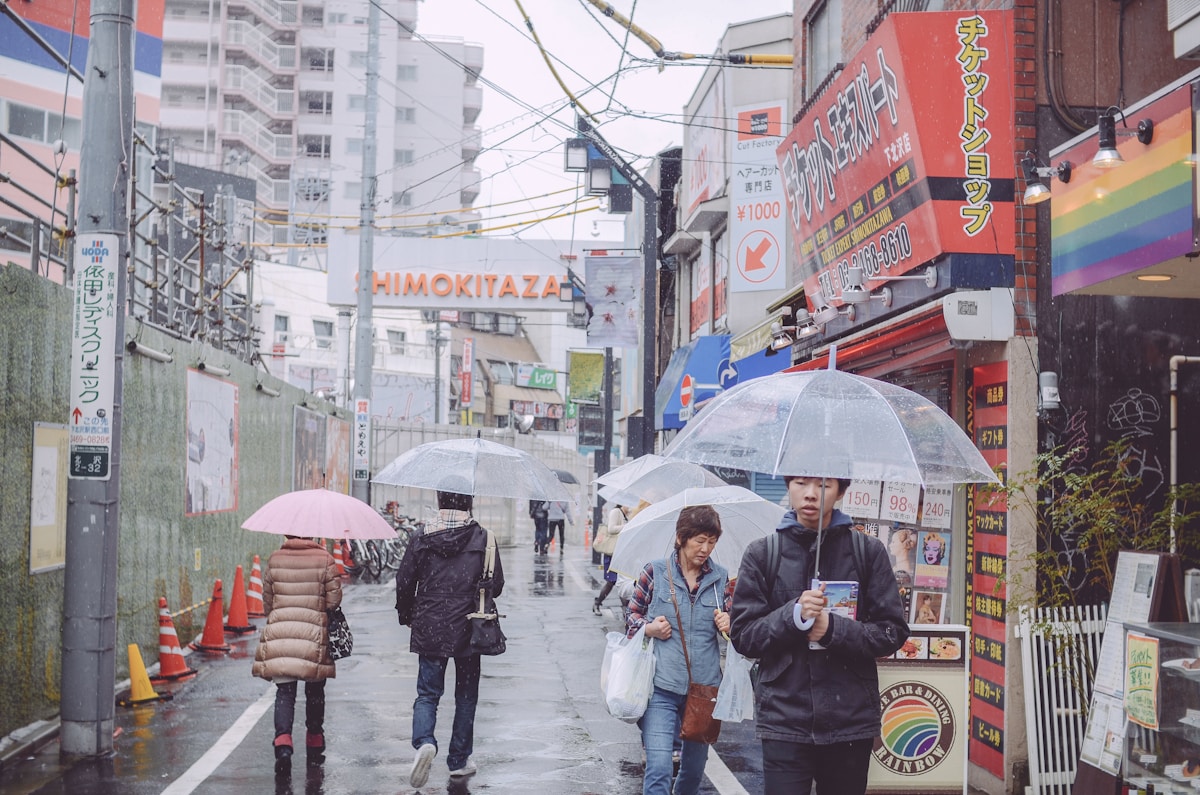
315, 748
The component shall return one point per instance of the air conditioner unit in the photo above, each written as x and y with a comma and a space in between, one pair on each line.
283, 337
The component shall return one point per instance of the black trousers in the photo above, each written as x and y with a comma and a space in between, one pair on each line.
838, 769
557, 524
314, 707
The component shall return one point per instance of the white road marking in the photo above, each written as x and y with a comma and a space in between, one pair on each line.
231, 739
721, 777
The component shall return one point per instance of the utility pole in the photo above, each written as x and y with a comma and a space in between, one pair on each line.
364, 337
97, 347
649, 281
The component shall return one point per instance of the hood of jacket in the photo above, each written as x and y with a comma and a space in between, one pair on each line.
789, 524
451, 541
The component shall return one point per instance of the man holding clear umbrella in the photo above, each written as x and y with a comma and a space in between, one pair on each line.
818, 697
436, 589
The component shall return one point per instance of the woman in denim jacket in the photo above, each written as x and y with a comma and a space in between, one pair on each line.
702, 592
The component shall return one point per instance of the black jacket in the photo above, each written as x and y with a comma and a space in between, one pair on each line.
438, 585
830, 695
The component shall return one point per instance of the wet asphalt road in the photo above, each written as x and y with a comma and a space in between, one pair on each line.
541, 726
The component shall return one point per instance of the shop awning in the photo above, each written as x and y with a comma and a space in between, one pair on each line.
920, 339
696, 372
524, 400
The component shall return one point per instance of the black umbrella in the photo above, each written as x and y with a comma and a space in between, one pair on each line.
564, 476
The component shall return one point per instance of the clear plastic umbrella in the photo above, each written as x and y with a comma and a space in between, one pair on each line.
652, 478
476, 467
826, 423
650, 535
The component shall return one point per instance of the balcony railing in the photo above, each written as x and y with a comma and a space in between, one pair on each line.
275, 102
270, 53
275, 147
279, 14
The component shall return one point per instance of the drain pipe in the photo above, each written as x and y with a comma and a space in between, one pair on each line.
1175, 362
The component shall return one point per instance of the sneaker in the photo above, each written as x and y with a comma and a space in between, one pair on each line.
420, 766
468, 769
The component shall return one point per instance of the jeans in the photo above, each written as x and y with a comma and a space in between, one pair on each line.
838, 769
660, 736
314, 707
431, 683
541, 538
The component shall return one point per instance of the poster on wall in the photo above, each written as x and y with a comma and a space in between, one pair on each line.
337, 455
212, 445
308, 449
48, 498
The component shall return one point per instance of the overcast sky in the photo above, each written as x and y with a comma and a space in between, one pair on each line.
525, 117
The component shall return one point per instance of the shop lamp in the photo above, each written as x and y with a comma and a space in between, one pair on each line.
212, 369
599, 178
929, 277
1107, 155
823, 312
1035, 191
854, 292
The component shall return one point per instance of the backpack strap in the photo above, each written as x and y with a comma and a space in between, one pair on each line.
774, 554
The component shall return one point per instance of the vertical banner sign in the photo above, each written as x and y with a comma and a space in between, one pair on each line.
466, 373
93, 358
757, 227
362, 439
614, 295
989, 547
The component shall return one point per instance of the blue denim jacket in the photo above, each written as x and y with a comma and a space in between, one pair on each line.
699, 631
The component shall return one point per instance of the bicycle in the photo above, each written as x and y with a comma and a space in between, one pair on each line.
372, 559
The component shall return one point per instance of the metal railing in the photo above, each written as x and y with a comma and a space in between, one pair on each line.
38, 231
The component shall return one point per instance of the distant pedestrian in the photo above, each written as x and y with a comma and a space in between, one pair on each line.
539, 512
606, 544
300, 583
436, 587
557, 513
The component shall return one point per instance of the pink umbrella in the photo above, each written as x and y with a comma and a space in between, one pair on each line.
319, 513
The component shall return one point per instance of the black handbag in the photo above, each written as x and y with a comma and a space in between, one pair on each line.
341, 641
486, 636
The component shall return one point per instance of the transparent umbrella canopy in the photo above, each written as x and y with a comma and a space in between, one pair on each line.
826, 423
477, 467
650, 535
652, 478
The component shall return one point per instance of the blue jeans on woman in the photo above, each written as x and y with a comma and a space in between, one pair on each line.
660, 733
431, 683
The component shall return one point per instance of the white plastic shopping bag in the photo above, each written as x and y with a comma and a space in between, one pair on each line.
613, 641
735, 697
630, 679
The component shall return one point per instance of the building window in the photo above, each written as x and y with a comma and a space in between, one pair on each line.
315, 145
396, 339
282, 327
335, 18
824, 46
406, 72
313, 17
506, 324
358, 102
502, 372
312, 188
323, 332
406, 115
318, 59
403, 157
358, 60
319, 103
484, 321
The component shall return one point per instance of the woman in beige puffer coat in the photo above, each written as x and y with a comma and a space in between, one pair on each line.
299, 584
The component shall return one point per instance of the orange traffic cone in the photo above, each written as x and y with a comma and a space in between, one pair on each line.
213, 639
172, 667
339, 557
254, 602
140, 691
237, 621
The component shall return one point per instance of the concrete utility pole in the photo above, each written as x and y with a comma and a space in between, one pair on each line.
649, 281
94, 436
364, 337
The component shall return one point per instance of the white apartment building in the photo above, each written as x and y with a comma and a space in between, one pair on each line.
275, 90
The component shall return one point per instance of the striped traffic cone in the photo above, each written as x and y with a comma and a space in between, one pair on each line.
140, 690
254, 602
213, 639
172, 667
339, 557
237, 621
